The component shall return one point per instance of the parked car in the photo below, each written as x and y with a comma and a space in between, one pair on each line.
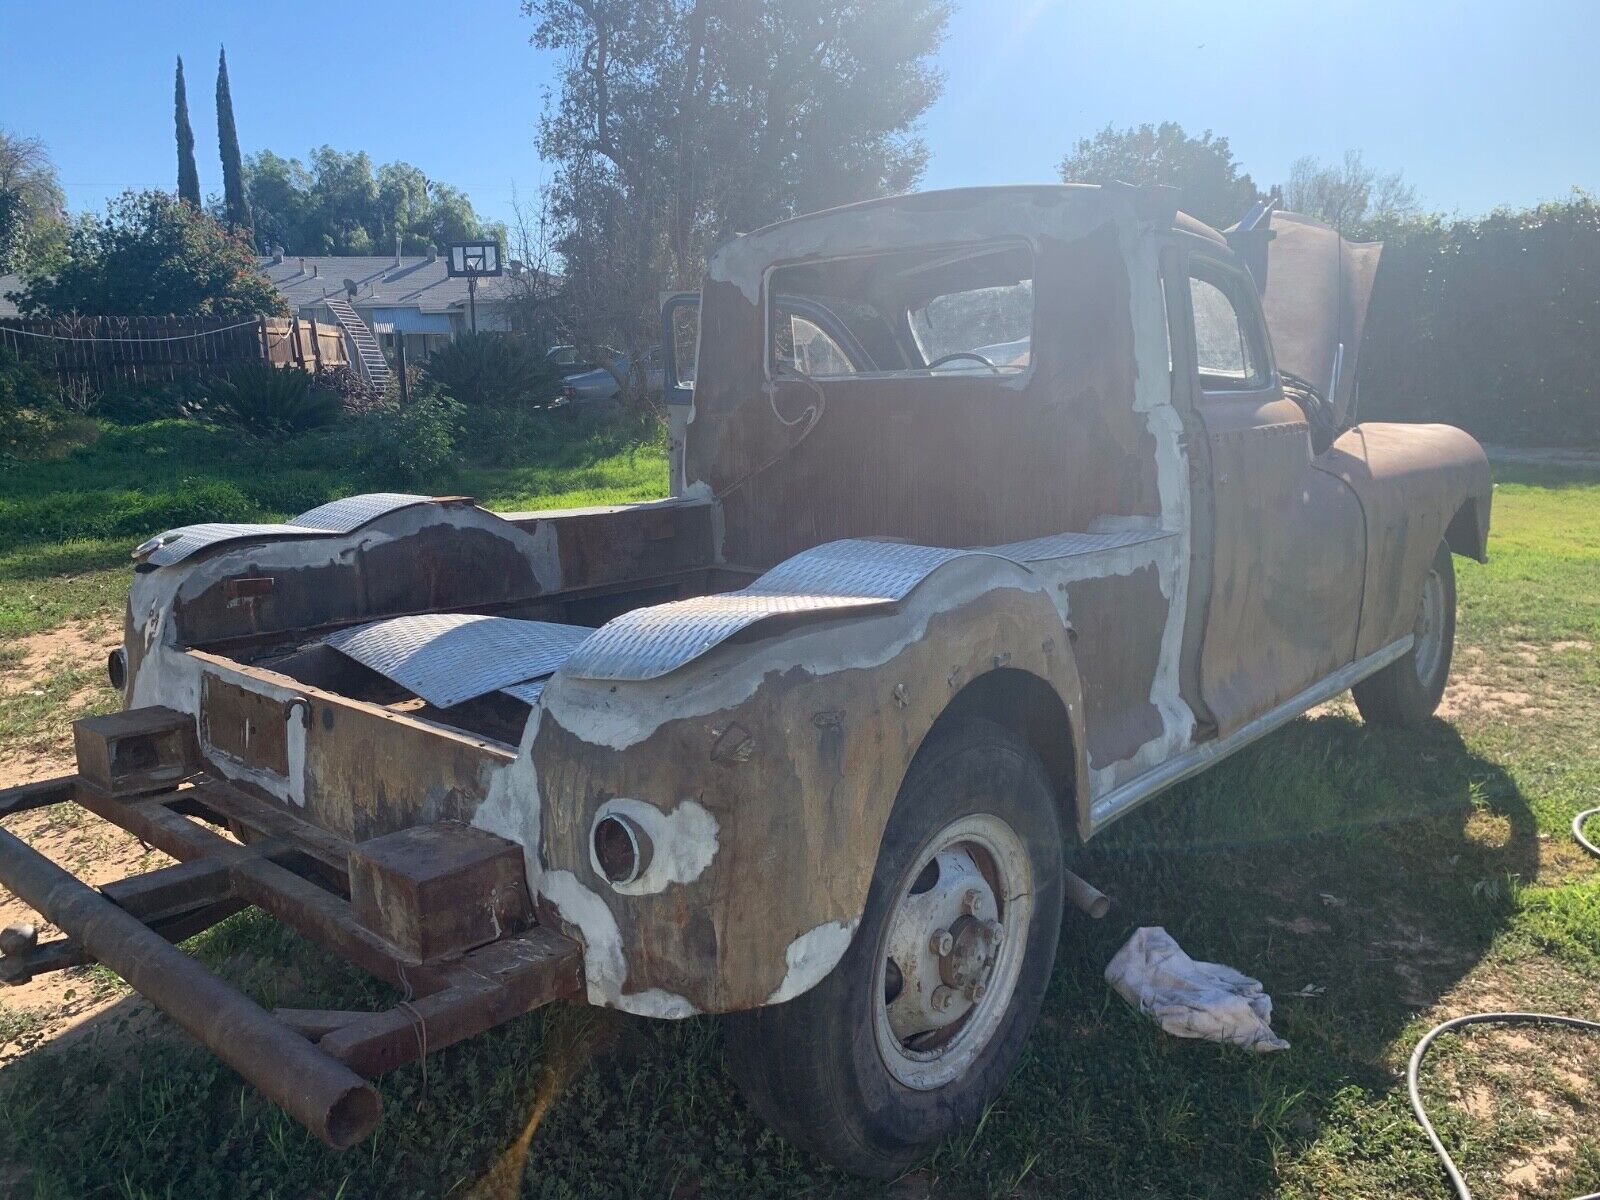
802, 745
601, 384
569, 360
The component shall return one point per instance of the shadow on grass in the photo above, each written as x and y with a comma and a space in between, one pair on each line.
1370, 868
1332, 854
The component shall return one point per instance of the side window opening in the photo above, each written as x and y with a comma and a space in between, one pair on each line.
936, 311
683, 329
991, 323
801, 343
1227, 352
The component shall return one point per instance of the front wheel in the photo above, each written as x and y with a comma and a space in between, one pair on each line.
1408, 690
918, 1027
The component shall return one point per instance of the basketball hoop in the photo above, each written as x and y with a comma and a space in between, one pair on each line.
473, 261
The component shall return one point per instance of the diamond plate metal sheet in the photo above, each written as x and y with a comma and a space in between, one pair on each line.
450, 658
326, 520
1068, 545
855, 567
855, 574
352, 512
175, 545
846, 575
528, 693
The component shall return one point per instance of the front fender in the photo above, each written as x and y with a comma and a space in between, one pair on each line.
765, 772
1412, 482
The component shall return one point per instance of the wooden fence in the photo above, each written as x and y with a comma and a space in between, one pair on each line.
92, 354
312, 344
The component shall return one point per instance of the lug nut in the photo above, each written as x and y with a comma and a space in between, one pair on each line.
969, 902
942, 998
941, 943
996, 931
977, 992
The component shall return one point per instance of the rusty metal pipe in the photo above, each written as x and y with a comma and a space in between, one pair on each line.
1084, 895
29, 796
325, 1096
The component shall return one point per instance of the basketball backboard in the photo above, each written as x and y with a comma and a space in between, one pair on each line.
474, 260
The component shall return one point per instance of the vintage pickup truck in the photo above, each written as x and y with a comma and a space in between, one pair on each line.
996, 512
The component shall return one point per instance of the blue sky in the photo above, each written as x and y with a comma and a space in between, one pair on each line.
1479, 103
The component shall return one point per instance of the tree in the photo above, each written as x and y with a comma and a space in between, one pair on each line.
681, 121
188, 175
32, 220
1350, 196
235, 203
340, 205
1209, 182
278, 189
152, 255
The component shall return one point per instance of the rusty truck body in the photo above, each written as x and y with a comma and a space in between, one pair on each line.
996, 512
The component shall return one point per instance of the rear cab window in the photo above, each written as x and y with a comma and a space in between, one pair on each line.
964, 310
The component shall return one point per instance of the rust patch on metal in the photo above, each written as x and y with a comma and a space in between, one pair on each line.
1411, 481
439, 889
136, 750
370, 770
245, 725
1118, 621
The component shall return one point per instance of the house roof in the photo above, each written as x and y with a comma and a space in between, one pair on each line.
414, 283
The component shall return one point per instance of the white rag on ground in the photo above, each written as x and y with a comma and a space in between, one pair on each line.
1192, 999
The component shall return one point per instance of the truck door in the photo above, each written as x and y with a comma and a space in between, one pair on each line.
1288, 545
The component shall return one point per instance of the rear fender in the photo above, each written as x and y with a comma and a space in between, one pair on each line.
764, 772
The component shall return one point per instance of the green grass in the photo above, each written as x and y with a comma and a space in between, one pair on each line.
1402, 874
68, 524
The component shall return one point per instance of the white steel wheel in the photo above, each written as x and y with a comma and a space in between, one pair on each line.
918, 1027
1407, 691
1427, 637
956, 939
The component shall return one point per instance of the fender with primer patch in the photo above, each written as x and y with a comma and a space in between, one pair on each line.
771, 766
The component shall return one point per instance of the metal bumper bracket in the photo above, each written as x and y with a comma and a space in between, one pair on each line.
313, 1066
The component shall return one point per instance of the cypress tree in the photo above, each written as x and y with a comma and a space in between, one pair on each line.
236, 205
188, 176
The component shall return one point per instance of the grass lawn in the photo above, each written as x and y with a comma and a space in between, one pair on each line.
66, 526
1376, 881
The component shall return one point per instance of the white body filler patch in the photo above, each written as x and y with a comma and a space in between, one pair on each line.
684, 842
811, 956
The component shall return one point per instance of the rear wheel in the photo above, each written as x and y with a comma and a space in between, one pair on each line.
918, 1027
1408, 690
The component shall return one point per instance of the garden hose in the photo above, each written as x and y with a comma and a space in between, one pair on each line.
1499, 1018
1577, 830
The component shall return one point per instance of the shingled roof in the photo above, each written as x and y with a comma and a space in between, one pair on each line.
417, 282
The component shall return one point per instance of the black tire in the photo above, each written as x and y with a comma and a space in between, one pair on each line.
1404, 694
812, 1068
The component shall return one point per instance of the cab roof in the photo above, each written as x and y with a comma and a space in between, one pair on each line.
1149, 197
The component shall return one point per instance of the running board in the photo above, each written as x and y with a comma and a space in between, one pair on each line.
1119, 802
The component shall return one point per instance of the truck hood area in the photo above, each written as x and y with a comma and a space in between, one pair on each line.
1314, 287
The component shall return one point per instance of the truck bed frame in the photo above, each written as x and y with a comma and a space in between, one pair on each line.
315, 1064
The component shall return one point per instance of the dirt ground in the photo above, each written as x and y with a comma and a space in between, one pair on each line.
79, 649
56, 1007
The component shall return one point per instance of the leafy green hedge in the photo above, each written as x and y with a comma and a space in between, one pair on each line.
1491, 324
